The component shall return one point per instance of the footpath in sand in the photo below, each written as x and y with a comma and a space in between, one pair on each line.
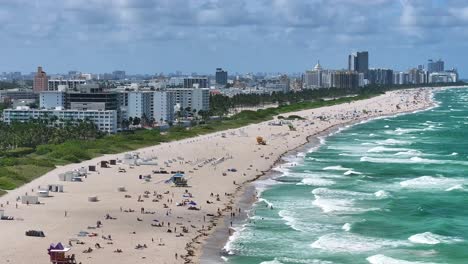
153, 221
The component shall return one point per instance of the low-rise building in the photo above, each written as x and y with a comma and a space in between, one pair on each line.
73, 84
443, 77
105, 121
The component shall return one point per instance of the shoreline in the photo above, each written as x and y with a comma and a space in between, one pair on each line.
212, 253
238, 151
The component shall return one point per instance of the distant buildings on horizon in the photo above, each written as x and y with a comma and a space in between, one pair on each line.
112, 100
358, 68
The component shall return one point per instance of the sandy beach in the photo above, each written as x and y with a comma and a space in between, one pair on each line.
153, 221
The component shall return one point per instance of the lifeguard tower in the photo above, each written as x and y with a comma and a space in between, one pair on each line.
178, 180
58, 255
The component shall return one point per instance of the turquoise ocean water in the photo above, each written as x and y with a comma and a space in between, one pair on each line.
391, 190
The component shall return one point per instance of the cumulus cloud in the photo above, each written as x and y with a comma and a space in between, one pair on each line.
303, 24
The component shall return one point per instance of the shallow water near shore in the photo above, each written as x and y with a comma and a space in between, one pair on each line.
392, 190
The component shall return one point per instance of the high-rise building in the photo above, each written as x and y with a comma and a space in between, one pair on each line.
317, 78
118, 75
139, 104
40, 81
163, 106
345, 79
435, 66
400, 78
380, 76
196, 98
221, 76
416, 76
191, 82
359, 62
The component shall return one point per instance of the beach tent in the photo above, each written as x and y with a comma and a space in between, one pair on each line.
113, 162
69, 176
82, 171
2, 213
65, 177
77, 179
92, 168
146, 162
104, 164
93, 199
43, 193
55, 188
29, 199
128, 159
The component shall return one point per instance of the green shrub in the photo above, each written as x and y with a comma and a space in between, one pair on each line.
18, 152
43, 149
7, 183
8, 162
71, 158
293, 117
41, 163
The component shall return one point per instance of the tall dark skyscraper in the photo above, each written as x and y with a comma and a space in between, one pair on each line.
435, 66
221, 76
359, 62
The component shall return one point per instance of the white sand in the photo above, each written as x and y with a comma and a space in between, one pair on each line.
240, 151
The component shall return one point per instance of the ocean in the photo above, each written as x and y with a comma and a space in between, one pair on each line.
389, 190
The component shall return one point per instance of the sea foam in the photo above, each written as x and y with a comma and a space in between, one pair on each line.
432, 239
275, 261
381, 194
380, 149
430, 182
348, 242
346, 227
351, 172
332, 200
382, 259
392, 141
336, 168
316, 182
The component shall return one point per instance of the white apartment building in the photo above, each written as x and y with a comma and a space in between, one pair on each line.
163, 106
139, 104
51, 99
159, 105
106, 121
443, 77
195, 98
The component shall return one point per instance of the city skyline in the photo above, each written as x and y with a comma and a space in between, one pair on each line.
241, 36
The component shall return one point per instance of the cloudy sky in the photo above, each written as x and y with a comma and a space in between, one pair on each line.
149, 36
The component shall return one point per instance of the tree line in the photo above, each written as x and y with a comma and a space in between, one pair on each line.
45, 131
